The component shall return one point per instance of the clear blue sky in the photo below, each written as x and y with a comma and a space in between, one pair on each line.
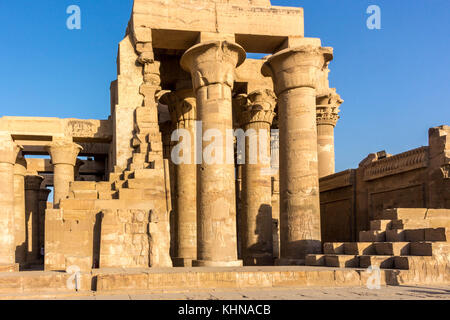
395, 81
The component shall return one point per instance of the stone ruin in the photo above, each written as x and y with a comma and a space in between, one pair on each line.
126, 204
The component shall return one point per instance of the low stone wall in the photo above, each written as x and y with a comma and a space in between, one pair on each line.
417, 178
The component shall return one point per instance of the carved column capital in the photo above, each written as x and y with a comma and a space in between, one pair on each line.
43, 194
328, 108
8, 149
33, 182
212, 62
64, 152
297, 67
182, 107
20, 167
257, 106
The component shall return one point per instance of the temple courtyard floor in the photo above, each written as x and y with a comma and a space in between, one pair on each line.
322, 293
239, 283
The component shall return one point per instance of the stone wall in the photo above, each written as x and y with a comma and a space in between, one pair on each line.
337, 206
69, 239
416, 178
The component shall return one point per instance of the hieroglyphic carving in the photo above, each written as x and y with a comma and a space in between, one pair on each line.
406, 161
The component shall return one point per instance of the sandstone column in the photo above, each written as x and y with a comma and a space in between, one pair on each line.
328, 102
256, 114
43, 197
212, 66
20, 170
32, 188
182, 107
294, 72
275, 155
8, 156
64, 156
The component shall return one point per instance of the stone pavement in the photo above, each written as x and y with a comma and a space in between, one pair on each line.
348, 293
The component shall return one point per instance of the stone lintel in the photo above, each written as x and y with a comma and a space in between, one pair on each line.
177, 24
43, 129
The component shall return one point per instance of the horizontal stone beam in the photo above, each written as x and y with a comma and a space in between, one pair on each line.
39, 148
175, 24
44, 129
44, 166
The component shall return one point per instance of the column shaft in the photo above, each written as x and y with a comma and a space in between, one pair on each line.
216, 214
7, 243
182, 108
325, 146
299, 184
63, 174
32, 187
8, 156
256, 232
212, 67
64, 154
43, 197
19, 211
295, 73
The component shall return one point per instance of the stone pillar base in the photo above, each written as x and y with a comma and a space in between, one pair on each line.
182, 262
289, 262
9, 267
263, 260
207, 263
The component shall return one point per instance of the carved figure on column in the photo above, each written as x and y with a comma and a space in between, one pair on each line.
255, 114
295, 73
212, 66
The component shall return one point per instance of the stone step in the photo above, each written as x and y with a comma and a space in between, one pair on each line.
342, 261
380, 225
40, 281
418, 235
85, 194
127, 174
333, 248
104, 186
359, 248
114, 176
372, 236
139, 183
107, 195
392, 248
427, 234
395, 235
130, 194
384, 262
118, 185
413, 214
82, 185
421, 264
429, 248
315, 260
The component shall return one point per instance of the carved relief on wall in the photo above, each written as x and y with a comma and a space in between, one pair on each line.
80, 128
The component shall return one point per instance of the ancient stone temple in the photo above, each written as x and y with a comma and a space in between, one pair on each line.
213, 159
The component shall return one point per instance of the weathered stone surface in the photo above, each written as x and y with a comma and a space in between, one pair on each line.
129, 211
295, 73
